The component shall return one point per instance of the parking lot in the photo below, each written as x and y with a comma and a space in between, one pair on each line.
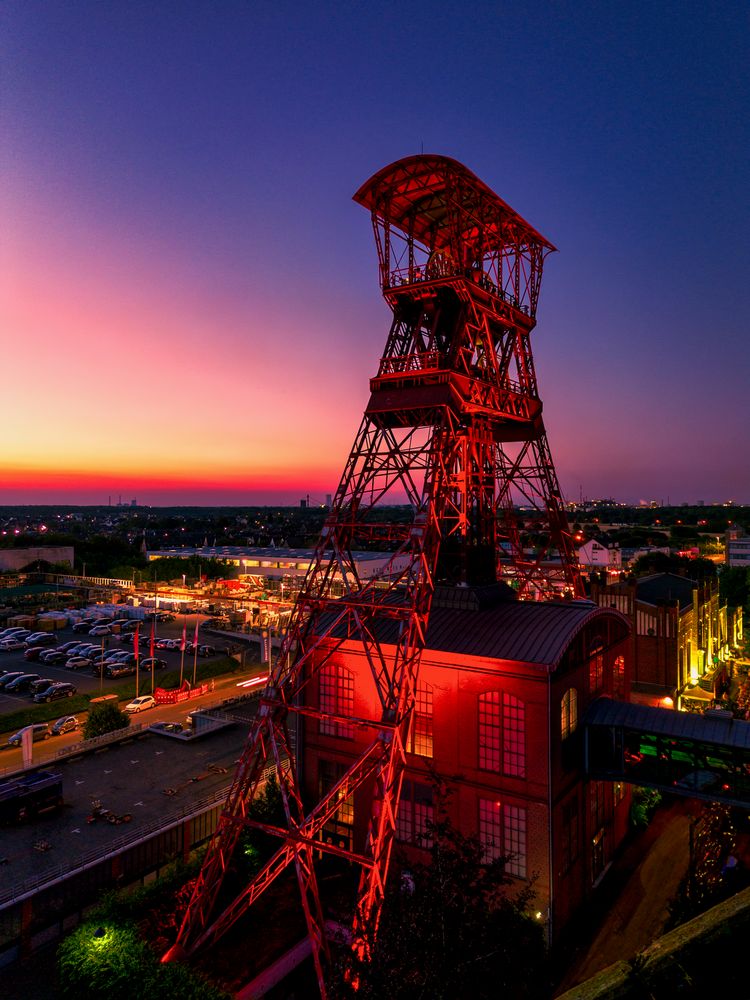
88, 683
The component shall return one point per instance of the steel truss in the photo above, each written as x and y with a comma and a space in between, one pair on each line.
453, 428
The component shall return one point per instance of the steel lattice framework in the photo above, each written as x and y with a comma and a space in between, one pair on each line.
453, 427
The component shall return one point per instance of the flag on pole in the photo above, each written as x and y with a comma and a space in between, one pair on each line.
195, 636
153, 636
135, 640
182, 641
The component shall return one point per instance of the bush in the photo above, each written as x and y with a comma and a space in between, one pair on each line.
108, 955
645, 801
105, 718
110, 960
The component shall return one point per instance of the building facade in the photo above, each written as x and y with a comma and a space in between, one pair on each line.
737, 548
681, 637
495, 741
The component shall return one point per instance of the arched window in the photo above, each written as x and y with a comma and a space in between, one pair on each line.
337, 697
569, 713
502, 733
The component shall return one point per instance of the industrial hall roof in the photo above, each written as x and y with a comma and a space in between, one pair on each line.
667, 722
534, 632
432, 197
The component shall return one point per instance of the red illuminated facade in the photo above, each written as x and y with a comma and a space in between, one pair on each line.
453, 426
502, 690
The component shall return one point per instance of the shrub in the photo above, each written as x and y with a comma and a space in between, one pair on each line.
105, 718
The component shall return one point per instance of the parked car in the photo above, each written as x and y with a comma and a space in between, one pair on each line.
65, 724
8, 677
118, 670
206, 651
53, 656
77, 663
9, 645
40, 731
82, 627
168, 727
61, 690
141, 704
65, 646
89, 650
21, 683
100, 630
40, 685
40, 639
157, 663
8, 632
33, 652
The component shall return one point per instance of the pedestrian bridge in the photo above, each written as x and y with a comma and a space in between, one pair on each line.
699, 756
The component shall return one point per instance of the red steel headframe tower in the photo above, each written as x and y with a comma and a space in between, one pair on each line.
454, 428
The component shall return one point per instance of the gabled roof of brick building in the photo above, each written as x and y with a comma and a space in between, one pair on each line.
666, 587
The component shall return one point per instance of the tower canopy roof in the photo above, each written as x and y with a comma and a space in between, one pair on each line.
441, 202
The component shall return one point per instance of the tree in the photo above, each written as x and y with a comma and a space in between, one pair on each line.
451, 930
660, 562
105, 718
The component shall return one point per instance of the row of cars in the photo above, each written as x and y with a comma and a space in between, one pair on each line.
41, 689
17, 638
75, 655
43, 730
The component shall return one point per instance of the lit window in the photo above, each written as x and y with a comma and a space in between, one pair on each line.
515, 841
337, 698
489, 730
339, 829
569, 713
502, 733
618, 672
415, 815
491, 828
596, 665
502, 833
514, 736
421, 731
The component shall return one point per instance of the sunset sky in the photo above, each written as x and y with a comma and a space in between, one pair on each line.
189, 302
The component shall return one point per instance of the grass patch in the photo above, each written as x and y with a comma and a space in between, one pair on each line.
44, 712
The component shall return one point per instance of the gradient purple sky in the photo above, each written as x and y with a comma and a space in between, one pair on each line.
189, 304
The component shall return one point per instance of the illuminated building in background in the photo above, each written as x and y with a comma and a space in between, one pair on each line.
737, 547
682, 637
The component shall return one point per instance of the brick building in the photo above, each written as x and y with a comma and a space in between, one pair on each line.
503, 686
681, 637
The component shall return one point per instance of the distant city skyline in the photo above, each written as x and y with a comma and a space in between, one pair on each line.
189, 302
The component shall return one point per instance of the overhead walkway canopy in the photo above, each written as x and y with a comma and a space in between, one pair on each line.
699, 756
